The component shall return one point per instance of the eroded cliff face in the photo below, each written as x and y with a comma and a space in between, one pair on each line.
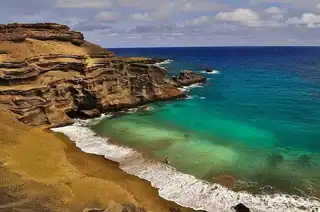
49, 74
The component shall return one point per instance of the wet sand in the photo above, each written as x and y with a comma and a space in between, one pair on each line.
44, 171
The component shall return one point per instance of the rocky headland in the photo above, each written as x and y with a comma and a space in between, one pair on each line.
48, 76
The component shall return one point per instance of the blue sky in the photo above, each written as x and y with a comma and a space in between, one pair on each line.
134, 23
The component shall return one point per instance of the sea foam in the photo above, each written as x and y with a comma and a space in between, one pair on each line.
188, 88
181, 188
164, 62
212, 72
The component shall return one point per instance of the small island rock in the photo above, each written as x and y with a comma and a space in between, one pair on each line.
187, 77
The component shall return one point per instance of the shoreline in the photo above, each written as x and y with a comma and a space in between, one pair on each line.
42, 170
114, 166
182, 188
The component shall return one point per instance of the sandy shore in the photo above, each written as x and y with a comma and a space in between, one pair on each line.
44, 171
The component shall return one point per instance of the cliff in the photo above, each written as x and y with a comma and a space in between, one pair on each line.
49, 75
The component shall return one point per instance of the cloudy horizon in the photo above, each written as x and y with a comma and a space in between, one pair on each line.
141, 23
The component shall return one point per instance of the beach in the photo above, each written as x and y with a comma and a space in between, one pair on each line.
77, 135
45, 171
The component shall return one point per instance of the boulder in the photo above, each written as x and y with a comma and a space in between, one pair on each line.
89, 113
209, 70
188, 77
241, 208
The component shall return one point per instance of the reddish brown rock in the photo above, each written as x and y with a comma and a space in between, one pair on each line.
187, 78
40, 31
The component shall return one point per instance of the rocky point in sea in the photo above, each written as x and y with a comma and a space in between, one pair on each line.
187, 77
48, 76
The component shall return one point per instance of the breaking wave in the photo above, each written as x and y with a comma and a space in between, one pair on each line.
183, 189
164, 62
212, 72
188, 88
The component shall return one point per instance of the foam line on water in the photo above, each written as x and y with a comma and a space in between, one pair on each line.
188, 88
212, 72
164, 62
181, 188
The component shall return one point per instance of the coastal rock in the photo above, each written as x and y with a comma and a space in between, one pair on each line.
143, 60
143, 108
89, 113
209, 70
187, 78
41, 31
51, 75
241, 208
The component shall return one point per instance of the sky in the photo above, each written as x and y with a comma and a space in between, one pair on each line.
153, 23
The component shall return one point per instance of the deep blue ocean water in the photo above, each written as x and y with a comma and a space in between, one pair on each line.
257, 120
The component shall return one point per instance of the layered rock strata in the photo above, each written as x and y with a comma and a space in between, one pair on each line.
50, 74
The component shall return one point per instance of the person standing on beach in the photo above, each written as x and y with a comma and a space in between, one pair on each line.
166, 161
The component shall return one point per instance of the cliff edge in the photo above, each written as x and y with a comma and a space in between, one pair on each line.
50, 74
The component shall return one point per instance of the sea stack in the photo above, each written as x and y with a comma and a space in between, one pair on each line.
209, 70
187, 77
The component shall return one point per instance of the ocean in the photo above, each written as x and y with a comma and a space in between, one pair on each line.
255, 124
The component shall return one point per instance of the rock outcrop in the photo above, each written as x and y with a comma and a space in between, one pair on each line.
50, 74
41, 31
187, 77
241, 208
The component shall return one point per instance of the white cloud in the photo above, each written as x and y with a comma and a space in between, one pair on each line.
134, 36
201, 6
200, 20
141, 16
166, 8
295, 4
176, 34
108, 16
84, 3
272, 23
194, 22
184, 5
142, 4
164, 11
250, 18
278, 17
112, 34
244, 16
273, 10
309, 19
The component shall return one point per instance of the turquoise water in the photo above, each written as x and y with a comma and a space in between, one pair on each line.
258, 120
